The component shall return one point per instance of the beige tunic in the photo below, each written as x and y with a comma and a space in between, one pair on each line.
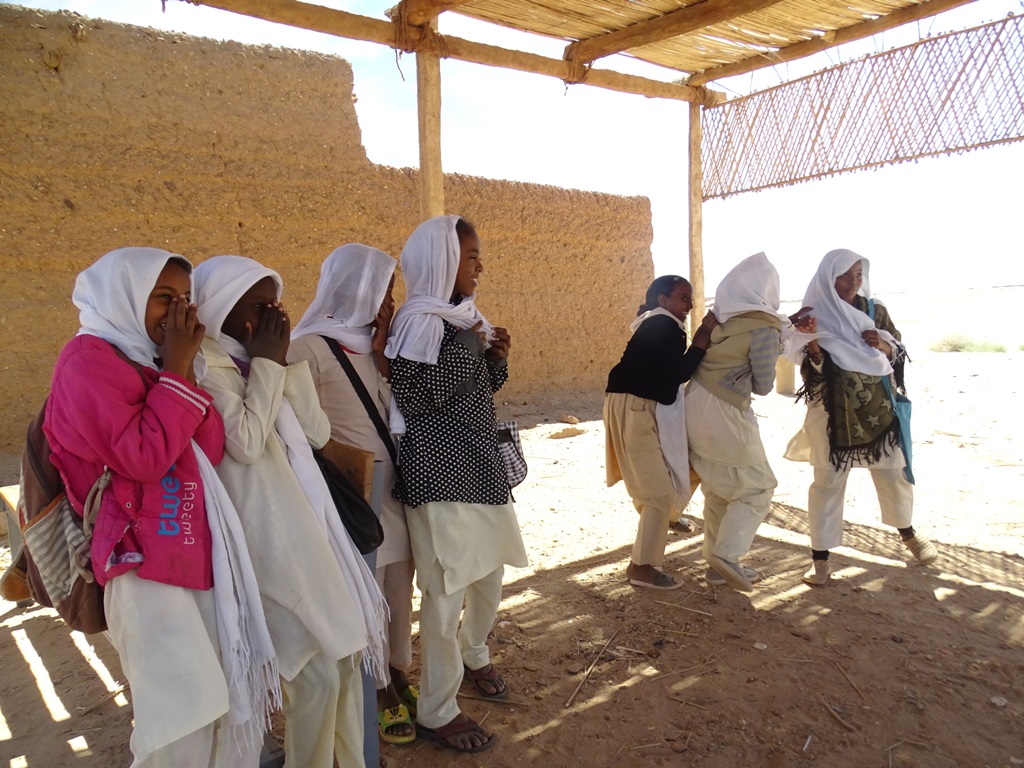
305, 595
350, 424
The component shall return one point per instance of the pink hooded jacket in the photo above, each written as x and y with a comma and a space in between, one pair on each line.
152, 517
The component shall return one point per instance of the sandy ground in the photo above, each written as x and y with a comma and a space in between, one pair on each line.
890, 666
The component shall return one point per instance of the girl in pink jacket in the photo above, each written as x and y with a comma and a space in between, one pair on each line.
166, 545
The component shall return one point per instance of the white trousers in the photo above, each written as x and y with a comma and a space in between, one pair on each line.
828, 492
323, 712
736, 500
166, 638
445, 647
395, 582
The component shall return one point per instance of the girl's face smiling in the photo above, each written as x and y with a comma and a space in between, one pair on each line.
679, 301
248, 312
848, 283
470, 266
173, 282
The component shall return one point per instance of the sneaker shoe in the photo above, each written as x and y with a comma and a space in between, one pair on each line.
715, 580
731, 572
682, 525
819, 574
922, 549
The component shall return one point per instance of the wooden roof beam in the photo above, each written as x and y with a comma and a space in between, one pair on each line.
420, 12
829, 40
317, 18
674, 24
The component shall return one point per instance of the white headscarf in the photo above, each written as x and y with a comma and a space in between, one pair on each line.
112, 295
353, 282
840, 325
430, 262
750, 286
220, 282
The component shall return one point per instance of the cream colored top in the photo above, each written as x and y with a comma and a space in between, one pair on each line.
469, 541
305, 595
350, 424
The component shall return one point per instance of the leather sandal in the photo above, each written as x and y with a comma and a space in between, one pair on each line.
488, 676
442, 735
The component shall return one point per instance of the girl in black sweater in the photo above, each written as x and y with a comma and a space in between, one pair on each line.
654, 365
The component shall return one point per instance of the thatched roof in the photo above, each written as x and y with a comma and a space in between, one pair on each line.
694, 36
703, 40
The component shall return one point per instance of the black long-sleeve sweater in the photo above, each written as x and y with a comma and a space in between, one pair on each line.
656, 361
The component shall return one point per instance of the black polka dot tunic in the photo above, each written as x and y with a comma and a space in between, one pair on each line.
449, 451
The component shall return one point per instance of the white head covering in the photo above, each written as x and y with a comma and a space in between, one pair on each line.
220, 282
750, 286
840, 325
353, 282
112, 295
430, 262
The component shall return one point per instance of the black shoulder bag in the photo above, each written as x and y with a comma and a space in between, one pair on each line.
364, 396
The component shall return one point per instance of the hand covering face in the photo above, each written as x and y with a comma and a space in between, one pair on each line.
111, 296
353, 282
220, 282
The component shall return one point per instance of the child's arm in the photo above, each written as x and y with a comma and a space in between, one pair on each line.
661, 343
99, 407
764, 353
302, 396
421, 388
497, 358
210, 435
248, 408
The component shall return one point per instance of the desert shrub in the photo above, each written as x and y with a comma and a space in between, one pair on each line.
957, 342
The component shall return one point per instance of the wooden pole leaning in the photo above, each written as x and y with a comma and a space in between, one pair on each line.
428, 101
696, 226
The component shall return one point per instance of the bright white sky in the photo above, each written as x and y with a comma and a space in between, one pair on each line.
932, 225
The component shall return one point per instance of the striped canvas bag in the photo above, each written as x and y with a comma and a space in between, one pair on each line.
57, 541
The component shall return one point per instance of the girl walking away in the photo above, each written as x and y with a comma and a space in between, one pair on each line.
322, 605
725, 443
850, 420
447, 362
179, 591
349, 321
645, 435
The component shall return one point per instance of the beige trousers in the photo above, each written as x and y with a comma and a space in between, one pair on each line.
395, 582
828, 492
446, 647
633, 454
323, 711
736, 500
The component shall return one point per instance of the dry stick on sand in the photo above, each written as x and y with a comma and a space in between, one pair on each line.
681, 671
590, 669
112, 694
835, 714
616, 755
679, 632
852, 684
683, 607
510, 702
684, 701
645, 746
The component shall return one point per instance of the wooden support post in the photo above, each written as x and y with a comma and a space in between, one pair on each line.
696, 228
428, 98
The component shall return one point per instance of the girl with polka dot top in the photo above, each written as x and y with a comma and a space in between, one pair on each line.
447, 362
